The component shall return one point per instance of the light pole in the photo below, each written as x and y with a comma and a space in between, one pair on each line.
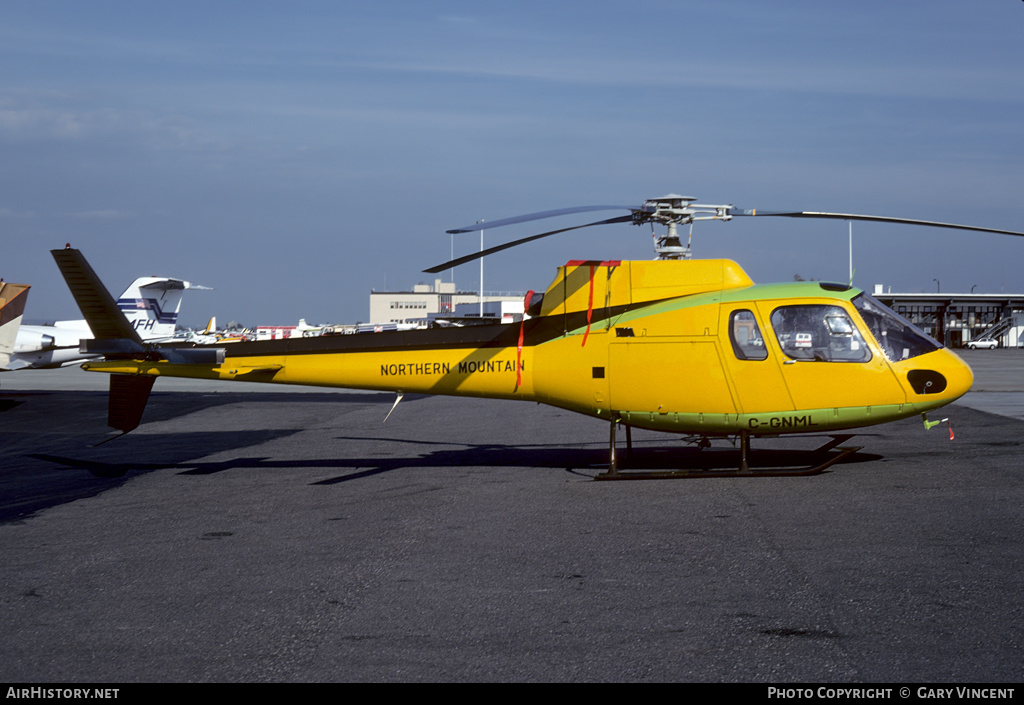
850, 223
481, 270
938, 285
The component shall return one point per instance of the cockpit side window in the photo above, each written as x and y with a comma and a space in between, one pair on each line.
898, 338
820, 333
745, 335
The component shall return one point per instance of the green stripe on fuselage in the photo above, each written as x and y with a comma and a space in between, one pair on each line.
758, 292
773, 423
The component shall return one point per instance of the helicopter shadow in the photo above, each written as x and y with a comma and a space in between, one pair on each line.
588, 460
360, 466
584, 460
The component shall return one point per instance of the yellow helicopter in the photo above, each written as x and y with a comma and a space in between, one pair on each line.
674, 344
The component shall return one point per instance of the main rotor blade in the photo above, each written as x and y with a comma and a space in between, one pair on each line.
874, 218
487, 225
507, 245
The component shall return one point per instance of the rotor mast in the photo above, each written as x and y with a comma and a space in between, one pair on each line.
672, 211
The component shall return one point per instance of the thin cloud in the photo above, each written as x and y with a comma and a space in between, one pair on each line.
107, 214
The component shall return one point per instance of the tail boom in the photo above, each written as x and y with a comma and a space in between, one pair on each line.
487, 372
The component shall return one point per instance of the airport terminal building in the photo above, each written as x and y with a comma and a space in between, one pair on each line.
427, 301
956, 319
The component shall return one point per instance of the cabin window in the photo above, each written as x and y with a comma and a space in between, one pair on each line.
745, 335
819, 333
898, 338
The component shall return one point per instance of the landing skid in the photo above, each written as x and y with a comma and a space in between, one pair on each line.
745, 469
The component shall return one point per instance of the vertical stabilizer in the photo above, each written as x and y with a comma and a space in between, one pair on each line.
128, 397
151, 305
94, 301
128, 393
12, 306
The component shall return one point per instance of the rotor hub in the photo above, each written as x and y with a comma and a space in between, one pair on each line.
671, 211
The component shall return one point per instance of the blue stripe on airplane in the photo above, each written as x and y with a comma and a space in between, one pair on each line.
126, 305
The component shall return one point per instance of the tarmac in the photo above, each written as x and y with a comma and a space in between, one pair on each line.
276, 534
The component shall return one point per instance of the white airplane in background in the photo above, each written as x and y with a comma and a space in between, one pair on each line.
150, 304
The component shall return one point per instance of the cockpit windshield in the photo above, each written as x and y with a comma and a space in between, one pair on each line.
898, 338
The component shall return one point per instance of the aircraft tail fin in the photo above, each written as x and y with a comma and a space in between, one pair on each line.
94, 301
12, 306
151, 305
128, 397
117, 338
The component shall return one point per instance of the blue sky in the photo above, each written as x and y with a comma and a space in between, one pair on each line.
296, 155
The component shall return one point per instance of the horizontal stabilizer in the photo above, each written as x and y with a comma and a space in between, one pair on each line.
168, 284
193, 356
111, 347
120, 348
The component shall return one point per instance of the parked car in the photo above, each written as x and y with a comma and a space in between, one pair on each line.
984, 344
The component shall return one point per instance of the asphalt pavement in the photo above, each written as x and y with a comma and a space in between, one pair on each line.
260, 534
